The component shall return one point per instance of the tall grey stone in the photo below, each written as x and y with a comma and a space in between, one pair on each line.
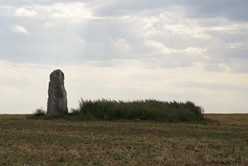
57, 97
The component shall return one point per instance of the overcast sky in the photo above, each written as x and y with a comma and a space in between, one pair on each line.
169, 50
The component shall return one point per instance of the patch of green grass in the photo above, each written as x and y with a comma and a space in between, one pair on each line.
149, 110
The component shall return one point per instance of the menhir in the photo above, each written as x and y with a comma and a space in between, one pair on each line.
57, 97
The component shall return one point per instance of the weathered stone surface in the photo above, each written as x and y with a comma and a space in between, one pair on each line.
57, 97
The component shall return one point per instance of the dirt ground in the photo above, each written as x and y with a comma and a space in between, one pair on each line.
223, 141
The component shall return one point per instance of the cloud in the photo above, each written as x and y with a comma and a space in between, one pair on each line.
138, 32
19, 29
235, 10
167, 31
69, 11
195, 51
121, 46
159, 47
25, 12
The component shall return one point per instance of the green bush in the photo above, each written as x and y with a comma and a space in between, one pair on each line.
37, 114
151, 110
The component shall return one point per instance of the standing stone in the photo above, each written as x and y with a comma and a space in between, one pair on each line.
57, 97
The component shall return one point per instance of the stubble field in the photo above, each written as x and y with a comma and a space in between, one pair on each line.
223, 141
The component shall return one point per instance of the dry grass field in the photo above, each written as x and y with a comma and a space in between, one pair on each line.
223, 141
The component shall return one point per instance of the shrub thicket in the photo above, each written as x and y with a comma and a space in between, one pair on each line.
151, 110
38, 114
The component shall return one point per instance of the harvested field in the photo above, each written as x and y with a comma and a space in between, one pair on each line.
223, 141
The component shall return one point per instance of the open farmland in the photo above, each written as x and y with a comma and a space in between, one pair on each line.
223, 141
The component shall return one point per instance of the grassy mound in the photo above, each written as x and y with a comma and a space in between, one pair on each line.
149, 110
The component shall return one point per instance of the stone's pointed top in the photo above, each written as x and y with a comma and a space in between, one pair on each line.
57, 74
57, 71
